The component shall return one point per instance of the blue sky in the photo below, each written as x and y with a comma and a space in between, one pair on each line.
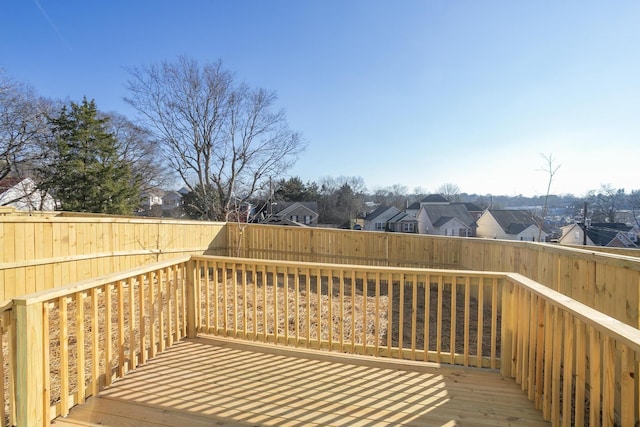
417, 93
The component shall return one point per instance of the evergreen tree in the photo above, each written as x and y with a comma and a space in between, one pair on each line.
85, 171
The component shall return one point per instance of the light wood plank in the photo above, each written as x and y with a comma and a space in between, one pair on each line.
209, 381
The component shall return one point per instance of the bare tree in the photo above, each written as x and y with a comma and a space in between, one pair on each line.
138, 148
450, 191
23, 121
606, 203
550, 168
395, 195
216, 133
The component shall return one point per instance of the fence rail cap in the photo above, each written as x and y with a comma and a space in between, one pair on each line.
84, 285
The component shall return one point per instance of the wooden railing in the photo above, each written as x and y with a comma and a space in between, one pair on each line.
606, 282
73, 341
431, 315
579, 366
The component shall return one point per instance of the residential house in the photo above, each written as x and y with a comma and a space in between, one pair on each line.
615, 235
289, 213
377, 220
450, 219
431, 199
151, 198
171, 200
403, 222
510, 225
23, 195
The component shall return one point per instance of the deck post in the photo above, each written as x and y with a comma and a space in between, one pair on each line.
191, 300
29, 364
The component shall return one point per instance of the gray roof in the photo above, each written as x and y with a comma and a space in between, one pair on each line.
379, 211
441, 213
513, 221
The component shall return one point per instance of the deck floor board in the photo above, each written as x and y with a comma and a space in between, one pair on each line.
213, 381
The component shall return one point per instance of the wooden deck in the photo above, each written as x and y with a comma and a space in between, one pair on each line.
211, 381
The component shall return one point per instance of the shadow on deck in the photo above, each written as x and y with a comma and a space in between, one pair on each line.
215, 381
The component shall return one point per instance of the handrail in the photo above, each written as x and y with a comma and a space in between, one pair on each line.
578, 365
63, 332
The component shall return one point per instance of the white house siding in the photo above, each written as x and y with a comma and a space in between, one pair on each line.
370, 224
489, 228
530, 234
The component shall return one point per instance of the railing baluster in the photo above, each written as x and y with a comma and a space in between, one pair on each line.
540, 327
132, 324
567, 369
245, 317
353, 311
46, 362
376, 334
414, 315
581, 354
548, 360
285, 292
467, 309
494, 322
454, 312
330, 308
365, 285
207, 297
439, 320
254, 269
141, 320
64, 355
341, 292
121, 336
480, 327
108, 352
608, 381
217, 280
533, 344
556, 366
95, 344
80, 351
427, 315
595, 376
627, 385
318, 306
152, 315
401, 282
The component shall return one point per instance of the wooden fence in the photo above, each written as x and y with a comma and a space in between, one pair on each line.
606, 282
46, 251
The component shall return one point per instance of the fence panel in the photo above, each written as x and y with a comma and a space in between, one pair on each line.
43, 252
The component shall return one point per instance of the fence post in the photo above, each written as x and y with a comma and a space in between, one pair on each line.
29, 363
192, 326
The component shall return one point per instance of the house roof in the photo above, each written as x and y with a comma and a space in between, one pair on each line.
440, 214
513, 221
434, 198
8, 183
603, 236
402, 217
472, 207
284, 208
379, 211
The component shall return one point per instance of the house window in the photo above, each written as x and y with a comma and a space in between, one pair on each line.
294, 218
380, 226
307, 219
407, 227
